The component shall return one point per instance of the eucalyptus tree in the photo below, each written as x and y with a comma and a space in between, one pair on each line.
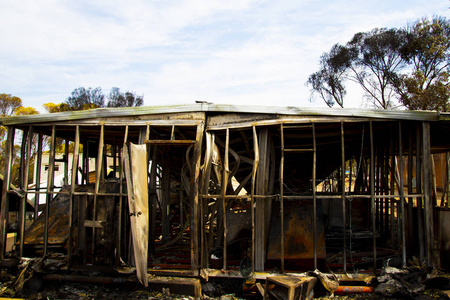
128, 99
371, 59
427, 50
82, 98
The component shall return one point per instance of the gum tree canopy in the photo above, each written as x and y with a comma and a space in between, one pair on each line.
392, 66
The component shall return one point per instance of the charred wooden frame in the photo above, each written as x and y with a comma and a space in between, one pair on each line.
209, 165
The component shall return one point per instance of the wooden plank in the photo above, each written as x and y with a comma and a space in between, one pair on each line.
137, 186
93, 224
170, 142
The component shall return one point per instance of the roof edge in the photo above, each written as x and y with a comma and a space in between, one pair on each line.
225, 108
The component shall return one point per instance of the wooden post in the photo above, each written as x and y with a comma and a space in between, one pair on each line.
410, 213
22, 180
120, 221
153, 200
314, 174
226, 173
50, 183
98, 175
195, 177
402, 196
25, 188
66, 162
372, 196
420, 210
392, 190
261, 189
447, 181
165, 185
76, 154
86, 161
344, 215
255, 168
5, 190
428, 203
204, 191
282, 200
282, 197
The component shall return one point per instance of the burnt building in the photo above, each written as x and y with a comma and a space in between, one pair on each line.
219, 190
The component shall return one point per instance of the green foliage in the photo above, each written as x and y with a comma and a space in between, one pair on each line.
428, 51
53, 108
328, 81
83, 99
25, 111
406, 66
9, 104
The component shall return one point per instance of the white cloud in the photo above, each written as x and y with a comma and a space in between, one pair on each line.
238, 51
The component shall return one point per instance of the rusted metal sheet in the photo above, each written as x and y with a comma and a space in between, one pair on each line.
298, 232
58, 223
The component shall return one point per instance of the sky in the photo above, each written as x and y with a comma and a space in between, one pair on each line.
240, 52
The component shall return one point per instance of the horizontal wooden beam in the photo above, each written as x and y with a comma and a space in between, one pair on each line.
170, 142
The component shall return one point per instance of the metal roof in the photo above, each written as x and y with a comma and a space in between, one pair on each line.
226, 108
